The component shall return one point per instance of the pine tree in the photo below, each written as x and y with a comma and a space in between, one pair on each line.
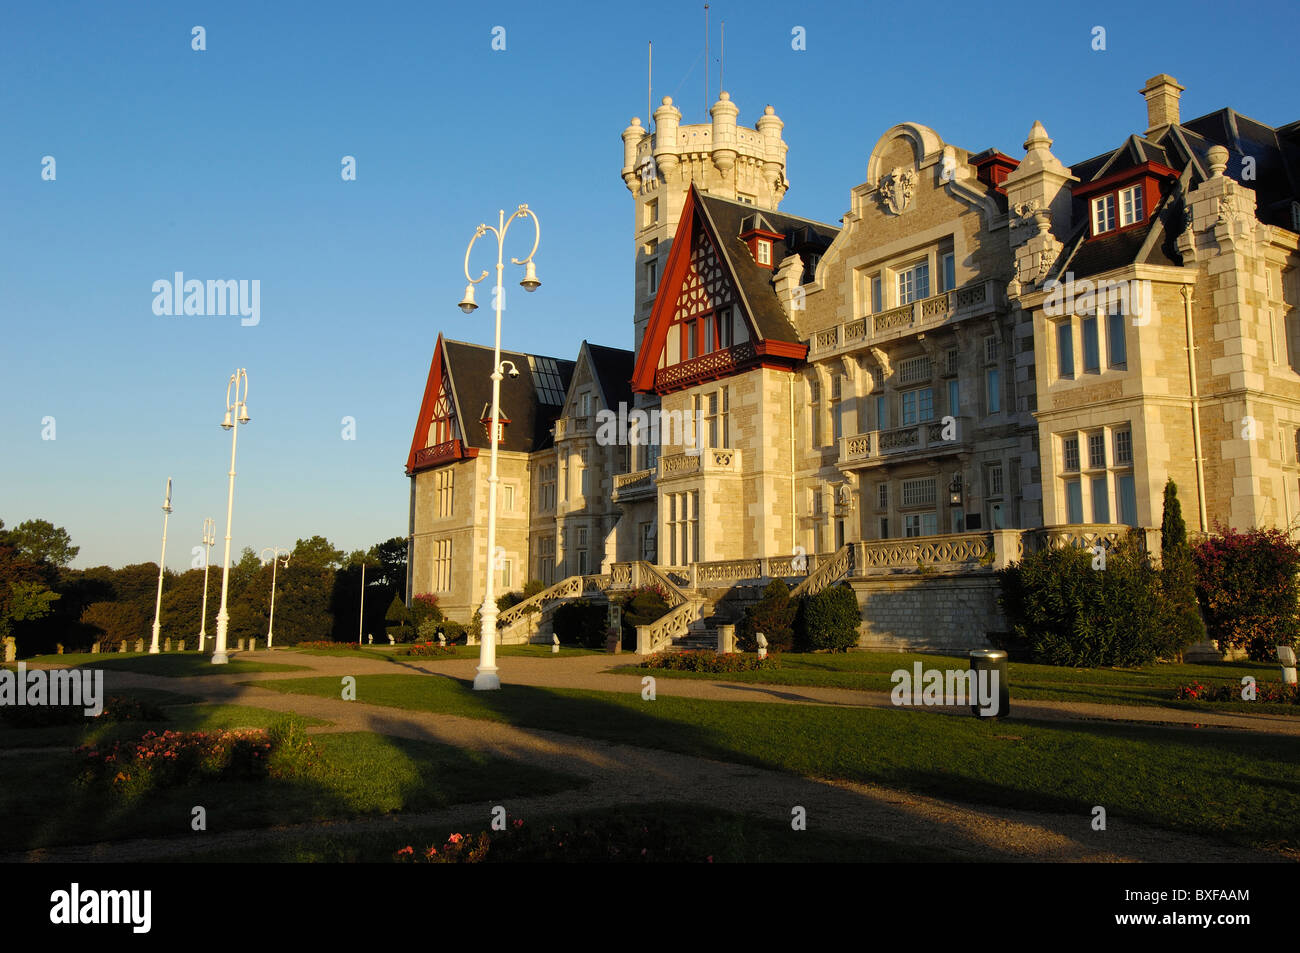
1178, 574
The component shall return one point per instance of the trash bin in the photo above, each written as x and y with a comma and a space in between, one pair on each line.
990, 660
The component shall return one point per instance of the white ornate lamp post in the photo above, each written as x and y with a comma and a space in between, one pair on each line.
162, 568
236, 413
487, 679
275, 552
209, 540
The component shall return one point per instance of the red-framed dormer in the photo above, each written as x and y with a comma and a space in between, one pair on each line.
992, 167
1125, 199
761, 242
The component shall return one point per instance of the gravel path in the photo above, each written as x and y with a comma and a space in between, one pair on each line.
621, 775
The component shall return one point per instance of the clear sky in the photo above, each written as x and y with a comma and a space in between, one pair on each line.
225, 164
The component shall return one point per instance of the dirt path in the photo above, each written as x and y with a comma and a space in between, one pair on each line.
623, 775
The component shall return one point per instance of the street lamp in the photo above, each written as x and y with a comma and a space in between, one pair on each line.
162, 567
209, 540
236, 413
275, 552
954, 489
487, 679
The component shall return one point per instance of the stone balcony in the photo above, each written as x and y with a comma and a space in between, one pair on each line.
922, 439
949, 307
634, 486
709, 460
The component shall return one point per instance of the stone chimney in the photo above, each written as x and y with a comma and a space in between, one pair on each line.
1162, 93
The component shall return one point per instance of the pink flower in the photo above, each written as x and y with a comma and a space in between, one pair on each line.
455, 839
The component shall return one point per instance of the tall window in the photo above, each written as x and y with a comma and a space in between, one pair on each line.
1070, 447
1116, 349
1091, 352
546, 491
764, 252
1096, 451
441, 565
1127, 493
877, 299
882, 495
1073, 502
914, 283
954, 397
507, 498
716, 407
1103, 213
652, 276
1130, 205
585, 475
837, 430
1065, 349
949, 271
1100, 500
1123, 447
920, 524
882, 412
443, 488
546, 559
815, 411
918, 405
993, 390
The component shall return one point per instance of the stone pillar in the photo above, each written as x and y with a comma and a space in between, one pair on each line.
94, 648
121, 646
139, 645
11, 648
643, 640
726, 639
252, 645
242, 645
1006, 547
167, 645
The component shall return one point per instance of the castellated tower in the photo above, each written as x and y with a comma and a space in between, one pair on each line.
721, 158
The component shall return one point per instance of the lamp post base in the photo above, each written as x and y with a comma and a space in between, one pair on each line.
486, 680
220, 658
153, 641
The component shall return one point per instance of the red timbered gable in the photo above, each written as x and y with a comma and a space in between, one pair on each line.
699, 328
437, 436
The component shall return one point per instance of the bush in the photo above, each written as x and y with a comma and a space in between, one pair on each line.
710, 662
580, 622
773, 615
453, 632
1276, 692
425, 606
427, 650
641, 606
115, 622
1246, 584
509, 600
116, 708
1062, 611
400, 619
532, 587
829, 620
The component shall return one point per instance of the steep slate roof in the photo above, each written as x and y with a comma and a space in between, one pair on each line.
1183, 148
613, 367
728, 220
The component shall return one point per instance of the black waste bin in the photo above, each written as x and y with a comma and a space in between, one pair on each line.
990, 660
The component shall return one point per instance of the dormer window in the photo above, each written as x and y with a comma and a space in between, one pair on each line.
1103, 213
1130, 205
764, 252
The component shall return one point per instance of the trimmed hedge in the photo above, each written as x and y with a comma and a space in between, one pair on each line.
773, 615
829, 620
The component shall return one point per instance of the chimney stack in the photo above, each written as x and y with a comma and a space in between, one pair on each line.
1162, 93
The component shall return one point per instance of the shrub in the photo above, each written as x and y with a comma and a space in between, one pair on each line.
399, 619
1246, 584
429, 630
425, 606
773, 615
427, 650
1062, 611
709, 662
580, 622
117, 708
330, 646
453, 632
115, 622
828, 620
532, 587
509, 600
1177, 573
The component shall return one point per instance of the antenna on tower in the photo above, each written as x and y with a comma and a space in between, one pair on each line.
706, 59
722, 52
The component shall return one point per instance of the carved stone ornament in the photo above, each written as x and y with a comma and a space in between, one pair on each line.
896, 189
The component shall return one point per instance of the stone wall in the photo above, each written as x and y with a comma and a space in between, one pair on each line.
928, 614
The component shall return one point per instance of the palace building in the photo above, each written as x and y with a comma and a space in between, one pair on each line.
986, 354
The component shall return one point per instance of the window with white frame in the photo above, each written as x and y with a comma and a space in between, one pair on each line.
882, 493
764, 252
914, 369
836, 406
1124, 447
920, 524
1103, 213
815, 411
992, 349
546, 488
1096, 450
914, 283
1130, 205
1070, 454
507, 498
995, 480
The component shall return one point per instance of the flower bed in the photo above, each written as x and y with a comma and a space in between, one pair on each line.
1275, 692
327, 646
710, 662
629, 839
426, 649
176, 758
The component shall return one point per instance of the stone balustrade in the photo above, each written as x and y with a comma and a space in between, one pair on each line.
922, 315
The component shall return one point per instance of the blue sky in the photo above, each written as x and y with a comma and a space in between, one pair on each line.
225, 164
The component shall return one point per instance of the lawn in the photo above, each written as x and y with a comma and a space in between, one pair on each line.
724, 836
394, 653
360, 774
1245, 787
171, 665
1152, 685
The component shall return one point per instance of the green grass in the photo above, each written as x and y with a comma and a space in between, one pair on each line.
725, 836
1245, 787
173, 665
1151, 685
360, 774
